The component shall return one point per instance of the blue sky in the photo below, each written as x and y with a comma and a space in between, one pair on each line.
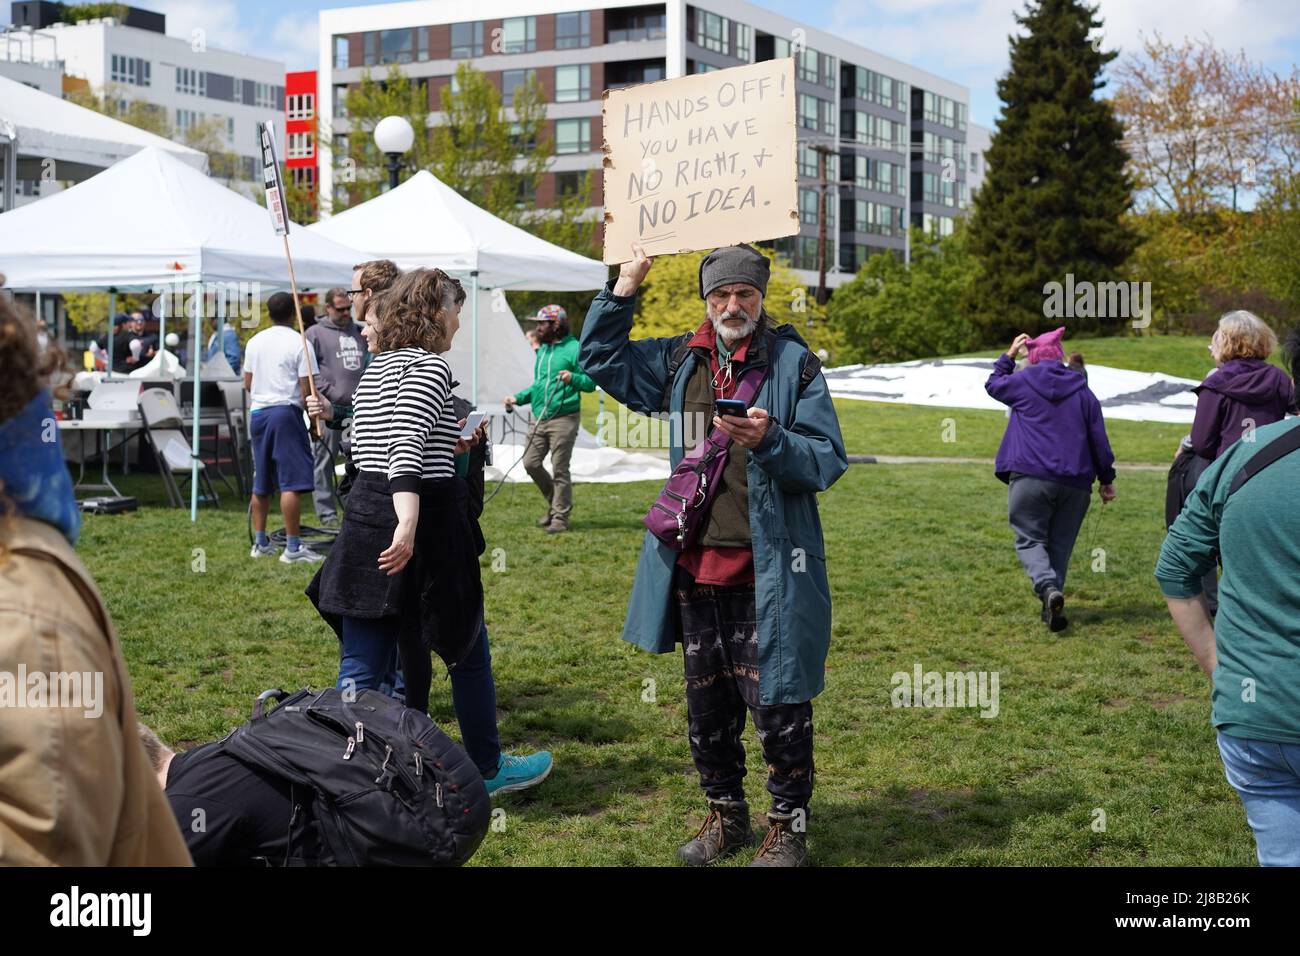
962, 40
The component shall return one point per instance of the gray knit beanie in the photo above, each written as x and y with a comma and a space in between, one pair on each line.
741, 263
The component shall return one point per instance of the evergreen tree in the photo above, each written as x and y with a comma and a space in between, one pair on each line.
1054, 199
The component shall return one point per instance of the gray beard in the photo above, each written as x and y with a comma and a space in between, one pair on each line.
728, 334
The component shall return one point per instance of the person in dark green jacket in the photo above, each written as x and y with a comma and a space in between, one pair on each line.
556, 399
1251, 650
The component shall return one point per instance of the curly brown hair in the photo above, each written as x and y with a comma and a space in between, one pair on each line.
377, 274
413, 311
24, 371
24, 368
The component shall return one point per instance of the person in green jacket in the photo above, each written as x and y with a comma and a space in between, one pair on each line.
556, 398
1251, 650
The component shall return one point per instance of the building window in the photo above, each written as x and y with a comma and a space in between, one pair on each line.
807, 161
568, 184
301, 146
396, 46
194, 82
744, 41
526, 198
302, 106
623, 25
781, 48
572, 136
809, 66
340, 101
187, 120
511, 81
572, 30
699, 66
340, 53
808, 207
304, 176
712, 32
130, 69
572, 83
518, 142
975, 163
809, 111
466, 40
519, 35
264, 95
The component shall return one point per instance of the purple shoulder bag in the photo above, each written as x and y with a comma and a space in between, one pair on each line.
678, 514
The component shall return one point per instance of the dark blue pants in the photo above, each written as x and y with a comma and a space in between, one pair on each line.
371, 659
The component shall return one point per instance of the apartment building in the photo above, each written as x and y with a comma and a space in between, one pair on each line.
899, 135
301, 158
190, 81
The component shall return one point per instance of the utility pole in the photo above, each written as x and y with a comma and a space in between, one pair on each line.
823, 187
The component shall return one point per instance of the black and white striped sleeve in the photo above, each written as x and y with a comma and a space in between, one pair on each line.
422, 390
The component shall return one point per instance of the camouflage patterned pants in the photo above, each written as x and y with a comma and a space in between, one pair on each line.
720, 649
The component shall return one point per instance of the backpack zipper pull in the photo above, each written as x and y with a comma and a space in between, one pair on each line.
361, 731
437, 792
352, 745
419, 765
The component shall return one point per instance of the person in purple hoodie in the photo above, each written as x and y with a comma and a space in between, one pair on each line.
1055, 446
1243, 393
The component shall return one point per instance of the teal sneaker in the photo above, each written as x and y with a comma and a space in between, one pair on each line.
519, 773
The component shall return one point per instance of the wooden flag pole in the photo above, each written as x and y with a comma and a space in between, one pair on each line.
302, 334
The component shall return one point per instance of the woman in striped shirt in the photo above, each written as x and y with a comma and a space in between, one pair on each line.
402, 572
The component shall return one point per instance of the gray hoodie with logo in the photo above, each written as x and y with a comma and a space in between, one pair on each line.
340, 354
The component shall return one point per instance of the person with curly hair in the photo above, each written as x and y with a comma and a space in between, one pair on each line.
75, 786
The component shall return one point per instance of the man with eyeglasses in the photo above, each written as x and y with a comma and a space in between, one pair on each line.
750, 604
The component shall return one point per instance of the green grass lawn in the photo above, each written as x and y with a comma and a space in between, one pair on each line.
1111, 717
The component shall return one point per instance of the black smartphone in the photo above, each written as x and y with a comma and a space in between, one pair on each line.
730, 406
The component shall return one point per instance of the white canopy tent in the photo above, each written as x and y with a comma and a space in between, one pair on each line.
426, 223
35, 126
151, 222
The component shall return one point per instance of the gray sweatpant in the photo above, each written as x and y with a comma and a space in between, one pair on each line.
323, 455
557, 435
1046, 517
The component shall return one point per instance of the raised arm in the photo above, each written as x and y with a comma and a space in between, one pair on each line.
634, 373
1002, 384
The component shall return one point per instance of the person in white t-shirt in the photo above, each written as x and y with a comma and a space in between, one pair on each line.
277, 375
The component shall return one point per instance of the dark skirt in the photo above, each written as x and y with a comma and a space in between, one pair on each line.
438, 595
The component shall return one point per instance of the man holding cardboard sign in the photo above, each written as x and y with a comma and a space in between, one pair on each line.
742, 585
701, 161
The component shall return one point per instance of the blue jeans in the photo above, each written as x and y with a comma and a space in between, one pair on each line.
1266, 776
473, 696
368, 654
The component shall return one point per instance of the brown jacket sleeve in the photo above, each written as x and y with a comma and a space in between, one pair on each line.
76, 788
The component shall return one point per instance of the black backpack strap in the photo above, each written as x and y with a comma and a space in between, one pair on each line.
812, 365
1279, 447
675, 360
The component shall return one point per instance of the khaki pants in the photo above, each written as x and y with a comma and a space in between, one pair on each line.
556, 435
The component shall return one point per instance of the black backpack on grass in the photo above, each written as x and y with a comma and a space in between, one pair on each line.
387, 787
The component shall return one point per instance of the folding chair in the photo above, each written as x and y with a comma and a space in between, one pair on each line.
219, 449
164, 430
236, 403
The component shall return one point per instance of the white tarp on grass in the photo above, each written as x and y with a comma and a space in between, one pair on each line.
588, 464
959, 383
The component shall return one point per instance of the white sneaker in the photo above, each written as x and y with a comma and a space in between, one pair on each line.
262, 551
303, 553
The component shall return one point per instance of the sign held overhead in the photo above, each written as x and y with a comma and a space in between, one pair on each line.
701, 161
272, 181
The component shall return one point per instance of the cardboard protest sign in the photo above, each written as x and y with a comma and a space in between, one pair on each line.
701, 161
271, 180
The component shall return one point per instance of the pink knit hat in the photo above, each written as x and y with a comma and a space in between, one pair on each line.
1046, 347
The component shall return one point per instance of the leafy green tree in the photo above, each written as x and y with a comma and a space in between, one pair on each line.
366, 168
115, 101
891, 312
1054, 199
670, 303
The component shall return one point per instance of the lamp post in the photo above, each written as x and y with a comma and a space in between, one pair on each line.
394, 136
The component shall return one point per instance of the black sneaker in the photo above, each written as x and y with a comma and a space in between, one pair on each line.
1053, 606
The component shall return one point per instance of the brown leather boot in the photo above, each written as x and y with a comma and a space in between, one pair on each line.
725, 831
783, 845
545, 520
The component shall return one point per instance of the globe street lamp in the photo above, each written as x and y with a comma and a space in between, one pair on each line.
394, 136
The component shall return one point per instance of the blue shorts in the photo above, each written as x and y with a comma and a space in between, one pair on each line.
281, 451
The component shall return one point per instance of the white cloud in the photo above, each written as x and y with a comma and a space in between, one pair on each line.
217, 19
